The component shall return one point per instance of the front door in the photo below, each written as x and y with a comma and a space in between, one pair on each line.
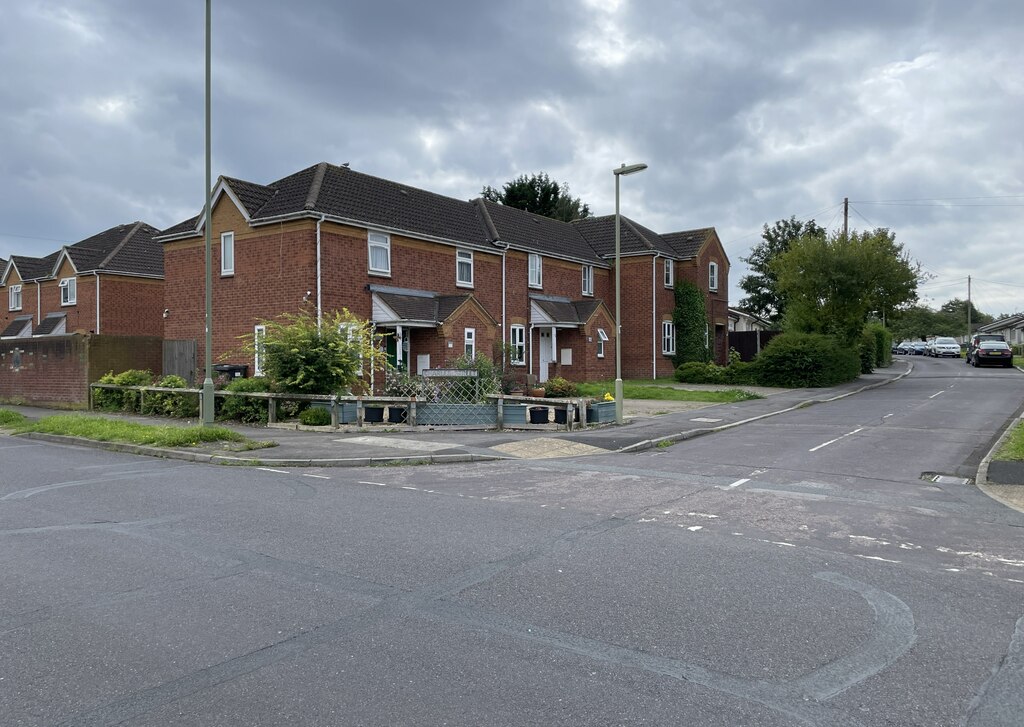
545, 354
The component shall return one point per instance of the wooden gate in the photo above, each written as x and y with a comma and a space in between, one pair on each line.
180, 359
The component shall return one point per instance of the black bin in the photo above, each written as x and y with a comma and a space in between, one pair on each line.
232, 371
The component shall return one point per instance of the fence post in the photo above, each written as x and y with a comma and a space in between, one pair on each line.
334, 411
501, 411
271, 410
359, 412
570, 414
411, 417
142, 399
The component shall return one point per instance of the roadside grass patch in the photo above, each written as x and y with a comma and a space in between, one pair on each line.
631, 390
108, 430
10, 418
1013, 448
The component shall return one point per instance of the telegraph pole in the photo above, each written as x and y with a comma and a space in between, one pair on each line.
846, 218
968, 310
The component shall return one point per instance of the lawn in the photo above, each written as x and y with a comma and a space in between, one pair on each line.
1013, 447
652, 390
112, 430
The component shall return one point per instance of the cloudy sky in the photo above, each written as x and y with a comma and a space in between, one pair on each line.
747, 111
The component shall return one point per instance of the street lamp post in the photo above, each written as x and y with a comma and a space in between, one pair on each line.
622, 170
207, 395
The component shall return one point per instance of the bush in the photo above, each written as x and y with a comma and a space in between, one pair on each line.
883, 344
741, 372
805, 360
866, 351
698, 372
559, 388
114, 400
243, 408
315, 416
168, 404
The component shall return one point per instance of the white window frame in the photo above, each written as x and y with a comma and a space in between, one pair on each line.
713, 277
463, 258
536, 270
381, 241
602, 338
517, 343
469, 341
227, 253
14, 297
258, 357
670, 273
68, 291
588, 280
351, 331
668, 337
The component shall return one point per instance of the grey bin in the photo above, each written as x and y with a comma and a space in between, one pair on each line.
232, 371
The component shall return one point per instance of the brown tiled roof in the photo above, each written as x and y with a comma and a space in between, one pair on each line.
529, 231
563, 310
421, 306
599, 232
688, 242
34, 268
49, 324
16, 326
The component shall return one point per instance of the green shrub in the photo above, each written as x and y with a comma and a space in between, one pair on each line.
883, 344
244, 408
805, 360
866, 351
559, 388
741, 372
114, 400
169, 404
698, 372
315, 416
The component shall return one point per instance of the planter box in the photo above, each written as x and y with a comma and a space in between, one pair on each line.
373, 414
397, 414
481, 415
514, 414
346, 410
538, 415
601, 412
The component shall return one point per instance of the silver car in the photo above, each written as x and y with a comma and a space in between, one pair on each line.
942, 347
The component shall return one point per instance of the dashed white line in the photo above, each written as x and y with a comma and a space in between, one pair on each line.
319, 477
936, 394
379, 484
833, 441
874, 557
409, 487
737, 483
280, 472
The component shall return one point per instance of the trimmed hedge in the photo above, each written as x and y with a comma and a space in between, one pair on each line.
798, 360
316, 416
166, 403
114, 400
242, 408
883, 344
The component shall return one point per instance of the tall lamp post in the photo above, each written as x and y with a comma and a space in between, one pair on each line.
208, 405
622, 170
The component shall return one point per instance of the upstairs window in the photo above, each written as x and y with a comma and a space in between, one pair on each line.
588, 280
68, 291
602, 338
14, 297
536, 271
464, 268
713, 277
517, 345
669, 274
380, 253
227, 253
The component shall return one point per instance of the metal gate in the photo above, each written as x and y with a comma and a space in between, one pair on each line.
180, 359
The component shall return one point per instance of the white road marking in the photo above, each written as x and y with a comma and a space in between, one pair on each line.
280, 472
936, 394
379, 484
695, 528
706, 420
888, 415
409, 487
737, 483
319, 477
874, 557
833, 441
709, 516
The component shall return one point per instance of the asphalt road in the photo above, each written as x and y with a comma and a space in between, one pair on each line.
805, 569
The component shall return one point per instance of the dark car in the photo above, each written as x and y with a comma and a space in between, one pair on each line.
977, 339
997, 353
919, 348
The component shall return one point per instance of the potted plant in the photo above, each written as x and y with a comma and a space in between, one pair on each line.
538, 415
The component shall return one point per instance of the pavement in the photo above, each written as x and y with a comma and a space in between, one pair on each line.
648, 424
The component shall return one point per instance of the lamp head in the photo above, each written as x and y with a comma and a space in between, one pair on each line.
631, 169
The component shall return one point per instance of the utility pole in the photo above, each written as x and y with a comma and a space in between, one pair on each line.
968, 309
846, 218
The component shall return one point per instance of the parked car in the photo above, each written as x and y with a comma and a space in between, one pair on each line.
997, 353
977, 339
943, 346
920, 348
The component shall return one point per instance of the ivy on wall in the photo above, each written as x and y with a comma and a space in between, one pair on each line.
691, 321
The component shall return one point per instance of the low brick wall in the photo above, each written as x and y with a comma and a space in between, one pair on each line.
56, 371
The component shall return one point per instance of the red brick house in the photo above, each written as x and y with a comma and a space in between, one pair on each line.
441, 277
110, 283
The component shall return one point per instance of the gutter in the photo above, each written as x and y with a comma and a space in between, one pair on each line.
655, 334
319, 286
97, 275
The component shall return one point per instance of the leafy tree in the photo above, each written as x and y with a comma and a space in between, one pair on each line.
302, 357
541, 195
761, 285
916, 322
691, 321
956, 311
831, 283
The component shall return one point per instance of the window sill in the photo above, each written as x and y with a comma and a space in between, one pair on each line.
587, 295
469, 286
379, 273
535, 287
69, 305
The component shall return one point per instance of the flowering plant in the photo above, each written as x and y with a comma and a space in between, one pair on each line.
608, 396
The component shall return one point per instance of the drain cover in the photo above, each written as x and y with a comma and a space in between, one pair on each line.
949, 480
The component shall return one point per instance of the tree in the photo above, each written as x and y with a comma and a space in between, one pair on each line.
691, 322
541, 195
831, 283
761, 284
956, 311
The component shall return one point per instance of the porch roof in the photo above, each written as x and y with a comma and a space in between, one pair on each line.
561, 312
413, 308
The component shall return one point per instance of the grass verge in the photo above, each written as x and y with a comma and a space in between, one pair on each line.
631, 390
10, 418
111, 430
1013, 448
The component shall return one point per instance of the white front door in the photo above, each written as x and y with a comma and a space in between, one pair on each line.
545, 354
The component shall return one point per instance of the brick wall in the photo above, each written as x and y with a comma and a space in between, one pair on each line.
131, 306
